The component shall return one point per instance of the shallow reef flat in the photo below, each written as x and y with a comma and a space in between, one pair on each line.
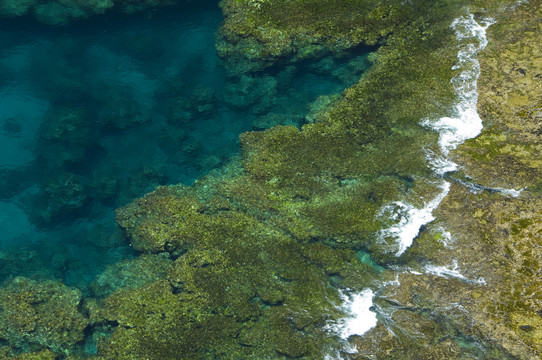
486, 282
248, 262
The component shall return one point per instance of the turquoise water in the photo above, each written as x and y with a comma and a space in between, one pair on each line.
98, 113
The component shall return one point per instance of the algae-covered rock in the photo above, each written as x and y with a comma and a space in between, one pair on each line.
508, 152
499, 296
37, 355
41, 315
267, 31
476, 266
240, 287
131, 274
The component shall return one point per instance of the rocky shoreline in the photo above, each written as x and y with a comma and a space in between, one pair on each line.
246, 263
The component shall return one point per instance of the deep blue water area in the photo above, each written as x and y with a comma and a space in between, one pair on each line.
95, 114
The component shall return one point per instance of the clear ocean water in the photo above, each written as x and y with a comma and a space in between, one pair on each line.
100, 112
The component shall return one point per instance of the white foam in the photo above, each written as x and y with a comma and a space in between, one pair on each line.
410, 219
360, 318
510, 192
453, 272
446, 239
466, 124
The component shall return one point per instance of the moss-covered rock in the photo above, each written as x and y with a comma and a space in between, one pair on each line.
240, 287
488, 288
39, 355
131, 274
41, 315
508, 152
268, 31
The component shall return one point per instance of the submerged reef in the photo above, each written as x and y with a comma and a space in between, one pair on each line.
239, 288
40, 316
251, 260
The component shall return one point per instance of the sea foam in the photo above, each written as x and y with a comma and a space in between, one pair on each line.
451, 272
360, 318
410, 219
465, 124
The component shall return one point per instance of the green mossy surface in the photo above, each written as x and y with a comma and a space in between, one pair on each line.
40, 355
496, 237
241, 288
134, 273
508, 152
40, 315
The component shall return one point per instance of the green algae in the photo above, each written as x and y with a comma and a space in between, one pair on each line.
247, 263
40, 355
131, 274
257, 287
40, 315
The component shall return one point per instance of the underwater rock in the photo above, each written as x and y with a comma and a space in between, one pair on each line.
253, 92
130, 274
67, 135
62, 198
41, 315
264, 32
28, 262
183, 105
269, 120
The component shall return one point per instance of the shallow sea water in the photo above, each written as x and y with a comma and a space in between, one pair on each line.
98, 113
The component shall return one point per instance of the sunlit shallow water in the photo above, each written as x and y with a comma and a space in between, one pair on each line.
98, 113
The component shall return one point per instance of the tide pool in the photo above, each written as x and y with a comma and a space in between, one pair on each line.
100, 112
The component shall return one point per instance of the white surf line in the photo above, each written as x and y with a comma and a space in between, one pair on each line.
359, 319
449, 272
410, 219
477, 188
466, 124
453, 131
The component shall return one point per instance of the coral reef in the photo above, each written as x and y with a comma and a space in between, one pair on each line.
40, 315
248, 262
239, 287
